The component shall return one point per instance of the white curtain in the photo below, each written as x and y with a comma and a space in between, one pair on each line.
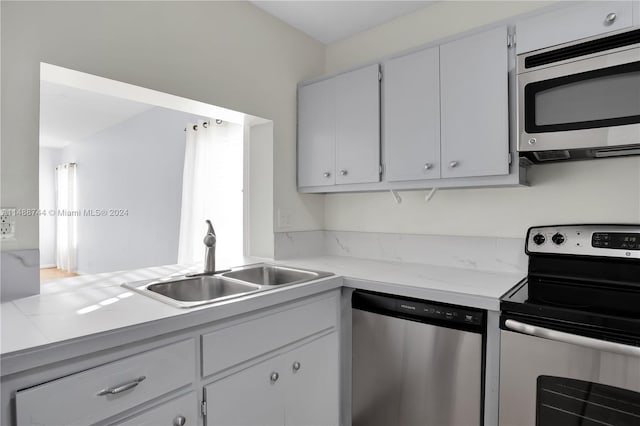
212, 185
66, 217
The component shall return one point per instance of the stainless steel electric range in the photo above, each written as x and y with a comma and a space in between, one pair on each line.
570, 331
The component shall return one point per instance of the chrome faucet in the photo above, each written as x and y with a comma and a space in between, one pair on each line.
210, 250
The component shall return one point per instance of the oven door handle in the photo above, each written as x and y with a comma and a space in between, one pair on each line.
560, 336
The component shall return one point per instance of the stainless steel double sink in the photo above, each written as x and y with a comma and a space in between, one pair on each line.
189, 291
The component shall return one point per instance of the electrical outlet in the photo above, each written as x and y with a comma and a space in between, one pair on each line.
284, 218
7, 224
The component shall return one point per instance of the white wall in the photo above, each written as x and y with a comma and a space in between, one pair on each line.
49, 159
260, 183
441, 19
229, 54
135, 165
592, 191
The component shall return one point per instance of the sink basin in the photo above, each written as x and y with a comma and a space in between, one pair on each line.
270, 275
187, 292
195, 290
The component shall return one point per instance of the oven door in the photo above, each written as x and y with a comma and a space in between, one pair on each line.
592, 102
565, 379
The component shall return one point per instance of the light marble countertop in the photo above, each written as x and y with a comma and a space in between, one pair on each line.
73, 309
467, 287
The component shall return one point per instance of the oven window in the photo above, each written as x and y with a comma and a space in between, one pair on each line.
570, 402
601, 98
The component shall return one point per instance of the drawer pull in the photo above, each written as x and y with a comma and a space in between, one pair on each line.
180, 421
610, 18
121, 388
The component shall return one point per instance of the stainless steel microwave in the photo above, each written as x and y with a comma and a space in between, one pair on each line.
580, 100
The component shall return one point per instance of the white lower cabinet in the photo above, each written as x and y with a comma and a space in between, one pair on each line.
180, 411
250, 397
312, 383
296, 383
96, 394
299, 387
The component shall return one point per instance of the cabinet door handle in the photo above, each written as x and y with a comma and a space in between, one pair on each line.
610, 18
453, 164
180, 421
274, 377
343, 172
121, 388
296, 366
428, 166
326, 174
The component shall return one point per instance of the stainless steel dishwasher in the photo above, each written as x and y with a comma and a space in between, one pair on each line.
416, 362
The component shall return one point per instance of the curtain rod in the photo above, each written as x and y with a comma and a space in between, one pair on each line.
67, 165
205, 124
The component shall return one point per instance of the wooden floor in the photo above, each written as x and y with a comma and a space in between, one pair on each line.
47, 274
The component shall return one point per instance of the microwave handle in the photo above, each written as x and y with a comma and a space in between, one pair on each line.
559, 336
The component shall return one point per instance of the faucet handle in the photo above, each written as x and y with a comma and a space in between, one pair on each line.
210, 227
210, 238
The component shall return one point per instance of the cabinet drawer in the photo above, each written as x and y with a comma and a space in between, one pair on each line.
572, 23
78, 399
238, 343
168, 413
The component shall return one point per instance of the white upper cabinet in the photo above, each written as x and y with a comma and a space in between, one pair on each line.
358, 126
316, 134
339, 129
411, 116
474, 105
585, 19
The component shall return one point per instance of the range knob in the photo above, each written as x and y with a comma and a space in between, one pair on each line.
558, 238
539, 239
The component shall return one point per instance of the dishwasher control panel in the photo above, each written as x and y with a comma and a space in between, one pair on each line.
418, 310
438, 311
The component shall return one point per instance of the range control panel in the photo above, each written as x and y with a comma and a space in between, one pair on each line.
616, 240
585, 240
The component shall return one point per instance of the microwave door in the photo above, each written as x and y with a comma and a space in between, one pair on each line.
588, 103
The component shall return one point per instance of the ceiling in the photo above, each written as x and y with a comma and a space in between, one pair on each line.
68, 114
330, 21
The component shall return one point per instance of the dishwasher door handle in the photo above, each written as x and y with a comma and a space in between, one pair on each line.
560, 336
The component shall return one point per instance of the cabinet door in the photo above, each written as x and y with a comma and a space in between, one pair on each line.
182, 410
574, 22
249, 397
358, 126
316, 134
312, 388
474, 105
411, 116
